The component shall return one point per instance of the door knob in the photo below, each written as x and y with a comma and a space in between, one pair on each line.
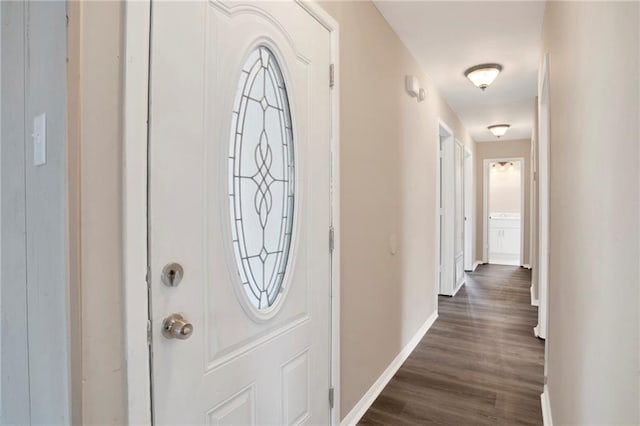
176, 327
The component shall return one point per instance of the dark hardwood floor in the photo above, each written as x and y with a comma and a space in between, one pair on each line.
479, 364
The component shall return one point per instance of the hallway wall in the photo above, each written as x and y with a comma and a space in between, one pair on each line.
502, 149
388, 171
593, 332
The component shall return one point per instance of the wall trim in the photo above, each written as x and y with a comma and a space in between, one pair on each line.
526, 266
546, 407
361, 407
137, 29
457, 255
441, 129
459, 286
542, 264
476, 264
534, 301
317, 11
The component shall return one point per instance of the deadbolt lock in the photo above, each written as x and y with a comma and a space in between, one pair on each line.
172, 274
176, 327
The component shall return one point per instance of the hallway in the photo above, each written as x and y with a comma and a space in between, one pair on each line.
479, 363
261, 212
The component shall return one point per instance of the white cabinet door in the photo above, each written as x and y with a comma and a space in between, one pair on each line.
510, 241
504, 241
240, 131
495, 240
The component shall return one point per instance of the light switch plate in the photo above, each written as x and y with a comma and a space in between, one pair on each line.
40, 140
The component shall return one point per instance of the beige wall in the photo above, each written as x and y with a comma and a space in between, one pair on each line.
388, 170
593, 333
497, 150
505, 189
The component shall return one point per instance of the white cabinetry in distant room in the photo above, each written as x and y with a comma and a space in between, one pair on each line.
504, 238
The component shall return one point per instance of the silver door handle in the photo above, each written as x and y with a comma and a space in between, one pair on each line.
176, 327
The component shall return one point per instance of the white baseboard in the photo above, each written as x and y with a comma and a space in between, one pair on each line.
537, 331
534, 301
546, 407
476, 264
361, 407
526, 265
458, 288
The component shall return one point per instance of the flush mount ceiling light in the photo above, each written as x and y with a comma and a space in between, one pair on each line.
499, 129
483, 75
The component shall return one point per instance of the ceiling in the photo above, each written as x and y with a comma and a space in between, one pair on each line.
447, 37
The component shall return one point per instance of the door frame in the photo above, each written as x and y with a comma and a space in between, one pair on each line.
467, 176
137, 30
458, 285
543, 170
485, 205
533, 219
442, 129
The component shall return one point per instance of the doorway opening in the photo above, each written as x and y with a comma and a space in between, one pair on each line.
503, 211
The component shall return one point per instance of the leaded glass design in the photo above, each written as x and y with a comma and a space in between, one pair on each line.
261, 178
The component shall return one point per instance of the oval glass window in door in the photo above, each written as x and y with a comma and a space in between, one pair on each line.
261, 178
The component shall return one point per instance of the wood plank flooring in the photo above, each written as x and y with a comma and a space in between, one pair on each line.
479, 364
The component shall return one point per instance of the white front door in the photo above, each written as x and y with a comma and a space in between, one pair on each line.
239, 197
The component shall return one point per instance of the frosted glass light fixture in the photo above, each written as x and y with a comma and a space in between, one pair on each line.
499, 129
483, 75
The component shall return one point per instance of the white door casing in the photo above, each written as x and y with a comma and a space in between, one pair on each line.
533, 222
243, 364
446, 228
459, 212
468, 210
543, 199
486, 208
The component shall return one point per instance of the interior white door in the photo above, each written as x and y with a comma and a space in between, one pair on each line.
447, 214
240, 130
511, 241
468, 210
459, 213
